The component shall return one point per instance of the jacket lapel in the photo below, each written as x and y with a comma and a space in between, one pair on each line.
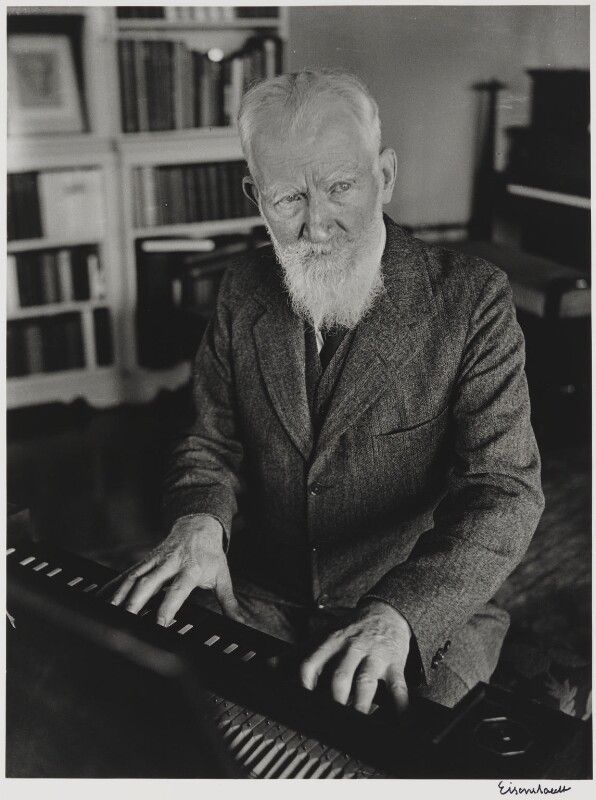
279, 340
386, 339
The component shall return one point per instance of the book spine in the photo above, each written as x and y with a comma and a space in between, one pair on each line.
141, 84
80, 274
127, 86
179, 85
65, 276
102, 326
197, 68
237, 86
49, 278
190, 198
16, 362
215, 210
202, 191
12, 286
223, 171
151, 199
33, 345
97, 281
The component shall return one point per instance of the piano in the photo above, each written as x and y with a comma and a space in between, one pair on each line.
95, 691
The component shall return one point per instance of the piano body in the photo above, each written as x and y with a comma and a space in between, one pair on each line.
94, 691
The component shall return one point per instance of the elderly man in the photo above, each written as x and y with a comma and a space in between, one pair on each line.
362, 397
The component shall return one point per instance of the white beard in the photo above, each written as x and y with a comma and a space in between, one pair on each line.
332, 284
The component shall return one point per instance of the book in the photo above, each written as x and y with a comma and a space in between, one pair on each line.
80, 274
13, 302
16, 361
49, 277
128, 94
72, 203
24, 214
33, 347
102, 328
97, 281
140, 57
65, 275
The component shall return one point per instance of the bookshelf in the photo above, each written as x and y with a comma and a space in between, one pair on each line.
105, 369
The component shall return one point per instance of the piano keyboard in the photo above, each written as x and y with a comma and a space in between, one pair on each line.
263, 748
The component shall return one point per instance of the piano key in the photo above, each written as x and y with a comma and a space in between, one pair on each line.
248, 736
10, 551
313, 760
27, 561
260, 750
40, 566
231, 723
276, 747
327, 759
75, 581
304, 757
185, 629
230, 648
294, 754
90, 588
287, 752
249, 655
169, 625
212, 640
55, 571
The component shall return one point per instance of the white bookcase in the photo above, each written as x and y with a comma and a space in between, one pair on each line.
117, 154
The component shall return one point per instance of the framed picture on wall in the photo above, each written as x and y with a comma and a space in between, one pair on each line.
43, 95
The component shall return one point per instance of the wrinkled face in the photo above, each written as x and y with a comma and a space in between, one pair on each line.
321, 183
321, 188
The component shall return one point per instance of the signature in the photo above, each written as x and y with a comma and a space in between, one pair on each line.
540, 789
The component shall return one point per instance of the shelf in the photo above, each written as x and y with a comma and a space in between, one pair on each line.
199, 229
45, 243
50, 309
562, 198
186, 26
191, 145
52, 151
101, 386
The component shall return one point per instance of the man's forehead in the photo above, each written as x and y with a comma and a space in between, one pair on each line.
325, 145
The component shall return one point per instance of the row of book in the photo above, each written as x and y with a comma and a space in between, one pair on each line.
197, 13
56, 204
165, 85
182, 193
177, 285
55, 343
59, 275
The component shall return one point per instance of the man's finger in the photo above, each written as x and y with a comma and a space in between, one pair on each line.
311, 667
174, 597
148, 585
343, 675
226, 598
125, 581
396, 683
365, 685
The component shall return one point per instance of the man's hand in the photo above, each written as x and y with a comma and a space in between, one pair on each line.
190, 557
373, 647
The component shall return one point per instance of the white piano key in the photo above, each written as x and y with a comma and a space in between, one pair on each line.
185, 629
230, 648
169, 625
26, 561
10, 551
257, 752
294, 763
249, 655
40, 566
90, 588
55, 571
74, 581
212, 640
267, 758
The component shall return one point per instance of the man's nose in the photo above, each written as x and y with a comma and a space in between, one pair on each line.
318, 223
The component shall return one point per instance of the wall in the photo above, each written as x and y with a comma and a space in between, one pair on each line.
420, 63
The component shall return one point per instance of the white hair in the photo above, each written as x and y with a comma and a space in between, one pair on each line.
302, 95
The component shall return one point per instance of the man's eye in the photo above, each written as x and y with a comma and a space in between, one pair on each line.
340, 187
290, 198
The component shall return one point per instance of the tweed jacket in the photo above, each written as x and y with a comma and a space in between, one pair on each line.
422, 488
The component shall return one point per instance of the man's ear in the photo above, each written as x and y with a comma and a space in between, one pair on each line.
388, 164
250, 189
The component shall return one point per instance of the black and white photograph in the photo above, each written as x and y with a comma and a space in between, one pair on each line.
298, 396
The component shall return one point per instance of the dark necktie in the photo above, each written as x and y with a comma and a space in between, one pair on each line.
331, 341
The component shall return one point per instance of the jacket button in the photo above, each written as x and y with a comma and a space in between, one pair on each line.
447, 645
434, 663
315, 489
322, 600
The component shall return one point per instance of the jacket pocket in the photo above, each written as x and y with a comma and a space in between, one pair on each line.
440, 416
